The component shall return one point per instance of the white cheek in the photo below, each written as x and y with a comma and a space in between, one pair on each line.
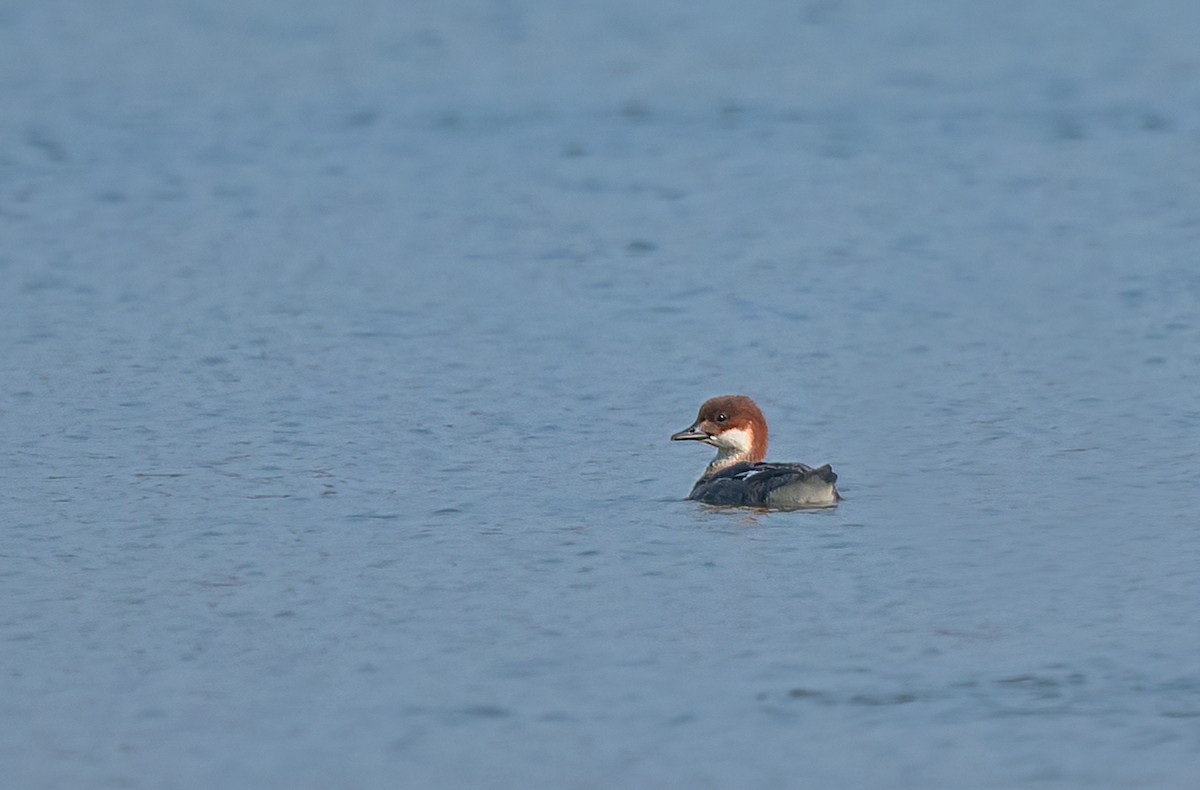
735, 439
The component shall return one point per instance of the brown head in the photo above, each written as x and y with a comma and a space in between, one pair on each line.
734, 425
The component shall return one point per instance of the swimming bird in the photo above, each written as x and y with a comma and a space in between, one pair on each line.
739, 476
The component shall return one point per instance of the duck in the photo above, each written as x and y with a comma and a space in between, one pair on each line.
740, 476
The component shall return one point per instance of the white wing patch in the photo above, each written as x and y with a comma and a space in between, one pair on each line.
749, 473
798, 470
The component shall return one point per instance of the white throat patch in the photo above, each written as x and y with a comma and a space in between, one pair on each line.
733, 447
737, 439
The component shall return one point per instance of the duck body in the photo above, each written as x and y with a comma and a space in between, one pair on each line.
772, 486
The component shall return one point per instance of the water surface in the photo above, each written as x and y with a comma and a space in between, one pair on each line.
342, 346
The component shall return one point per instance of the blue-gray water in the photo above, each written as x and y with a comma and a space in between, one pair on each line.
342, 342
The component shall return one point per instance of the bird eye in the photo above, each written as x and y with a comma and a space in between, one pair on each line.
722, 417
